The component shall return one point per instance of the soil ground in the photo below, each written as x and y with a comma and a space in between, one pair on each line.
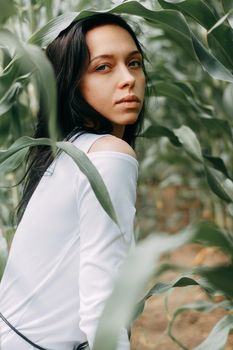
191, 327
149, 331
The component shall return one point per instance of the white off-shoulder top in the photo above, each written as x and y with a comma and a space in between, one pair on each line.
66, 253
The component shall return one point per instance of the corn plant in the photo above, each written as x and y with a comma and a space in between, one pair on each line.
192, 76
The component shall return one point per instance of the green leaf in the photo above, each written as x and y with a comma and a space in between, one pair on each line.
228, 100
205, 234
175, 37
5, 125
180, 92
219, 277
220, 185
20, 144
10, 97
219, 39
200, 306
230, 18
50, 31
217, 163
167, 19
219, 35
199, 10
210, 235
170, 19
14, 161
7, 78
132, 279
171, 22
134, 275
218, 336
189, 142
156, 130
12, 157
95, 179
161, 287
210, 64
174, 1
227, 5
193, 99
217, 126
171, 90
30, 59
46, 83
217, 175
7, 9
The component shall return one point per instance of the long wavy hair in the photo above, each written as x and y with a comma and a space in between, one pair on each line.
69, 55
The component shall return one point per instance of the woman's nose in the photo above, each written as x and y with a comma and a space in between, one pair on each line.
126, 78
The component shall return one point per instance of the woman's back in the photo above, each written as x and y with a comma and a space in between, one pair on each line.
58, 273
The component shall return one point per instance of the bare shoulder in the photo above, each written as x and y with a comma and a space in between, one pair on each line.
112, 143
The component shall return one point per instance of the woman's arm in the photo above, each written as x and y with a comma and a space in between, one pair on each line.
103, 248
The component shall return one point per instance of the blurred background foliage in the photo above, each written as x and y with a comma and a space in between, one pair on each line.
185, 149
184, 95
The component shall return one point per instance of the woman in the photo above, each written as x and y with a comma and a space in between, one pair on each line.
67, 252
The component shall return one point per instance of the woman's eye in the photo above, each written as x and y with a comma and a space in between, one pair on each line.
136, 64
103, 67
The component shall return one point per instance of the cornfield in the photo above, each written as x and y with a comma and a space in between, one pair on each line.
187, 140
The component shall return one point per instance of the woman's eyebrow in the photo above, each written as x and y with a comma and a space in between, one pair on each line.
111, 56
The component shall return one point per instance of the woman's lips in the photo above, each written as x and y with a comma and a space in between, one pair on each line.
129, 99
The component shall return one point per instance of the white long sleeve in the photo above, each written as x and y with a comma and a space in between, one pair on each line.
66, 252
103, 248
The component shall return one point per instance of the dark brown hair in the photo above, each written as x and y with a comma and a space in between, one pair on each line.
69, 55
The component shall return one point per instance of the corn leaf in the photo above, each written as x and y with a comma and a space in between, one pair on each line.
210, 235
227, 5
156, 130
210, 63
11, 158
30, 59
95, 179
10, 97
133, 277
7, 9
170, 20
189, 142
218, 336
50, 31
199, 306
199, 10
220, 184
219, 39
228, 100
219, 277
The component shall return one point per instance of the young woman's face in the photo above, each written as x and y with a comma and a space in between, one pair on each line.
114, 73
